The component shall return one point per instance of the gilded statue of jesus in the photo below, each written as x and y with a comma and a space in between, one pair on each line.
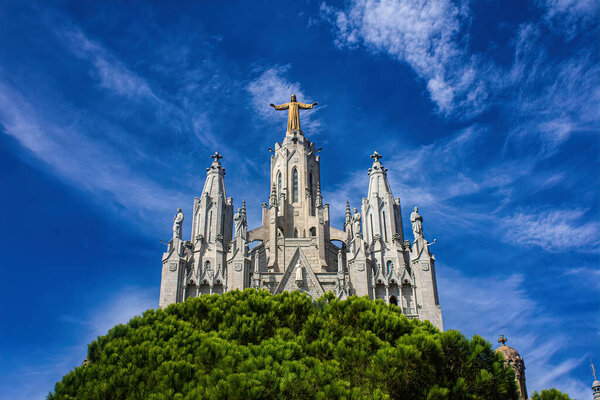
293, 115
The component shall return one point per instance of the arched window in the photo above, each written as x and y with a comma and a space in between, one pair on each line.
207, 265
389, 267
295, 233
312, 193
393, 300
384, 227
295, 186
278, 186
209, 227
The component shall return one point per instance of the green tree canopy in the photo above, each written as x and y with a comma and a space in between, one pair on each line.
253, 345
550, 394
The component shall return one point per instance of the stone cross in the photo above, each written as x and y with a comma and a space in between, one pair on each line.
216, 156
376, 156
502, 340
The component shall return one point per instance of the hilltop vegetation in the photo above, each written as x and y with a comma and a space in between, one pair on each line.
252, 345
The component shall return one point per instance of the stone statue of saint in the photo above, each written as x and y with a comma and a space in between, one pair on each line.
299, 275
356, 223
417, 223
293, 115
177, 223
239, 220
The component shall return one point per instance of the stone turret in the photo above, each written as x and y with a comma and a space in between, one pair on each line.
595, 384
391, 279
515, 361
211, 233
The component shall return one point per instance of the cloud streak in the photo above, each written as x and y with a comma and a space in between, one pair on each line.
426, 35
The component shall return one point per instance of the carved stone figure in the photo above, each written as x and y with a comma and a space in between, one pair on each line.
299, 275
417, 223
293, 115
177, 223
239, 220
356, 223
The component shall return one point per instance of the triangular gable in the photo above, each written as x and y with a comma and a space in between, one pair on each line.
290, 270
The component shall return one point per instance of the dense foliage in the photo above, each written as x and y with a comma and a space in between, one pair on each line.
252, 345
550, 394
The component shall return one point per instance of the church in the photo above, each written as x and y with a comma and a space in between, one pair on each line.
296, 248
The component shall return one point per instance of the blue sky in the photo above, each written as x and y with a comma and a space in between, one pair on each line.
486, 114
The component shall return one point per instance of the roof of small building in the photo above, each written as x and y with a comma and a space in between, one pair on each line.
508, 352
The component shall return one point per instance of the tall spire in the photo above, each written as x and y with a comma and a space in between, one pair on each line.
348, 214
378, 183
596, 384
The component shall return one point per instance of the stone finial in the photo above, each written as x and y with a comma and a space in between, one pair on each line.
502, 340
348, 214
319, 201
376, 156
273, 197
216, 157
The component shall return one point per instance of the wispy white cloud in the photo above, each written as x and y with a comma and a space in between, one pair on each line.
553, 230
81, 160
568, 16
111, 73
271, 87
426, 35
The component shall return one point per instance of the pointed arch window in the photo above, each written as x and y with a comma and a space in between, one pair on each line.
384, 227
295, 186
312, 193
278, 186
389, 266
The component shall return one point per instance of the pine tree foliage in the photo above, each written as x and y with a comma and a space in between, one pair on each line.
253, 345
550, 394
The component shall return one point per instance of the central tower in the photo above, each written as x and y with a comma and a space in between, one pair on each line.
294, 250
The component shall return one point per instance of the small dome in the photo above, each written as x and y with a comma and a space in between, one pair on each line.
508, 352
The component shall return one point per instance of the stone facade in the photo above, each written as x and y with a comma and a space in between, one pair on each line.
295, 248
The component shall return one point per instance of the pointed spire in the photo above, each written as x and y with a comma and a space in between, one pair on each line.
319, 202
378, 183
273, 197
244, 207
348, 214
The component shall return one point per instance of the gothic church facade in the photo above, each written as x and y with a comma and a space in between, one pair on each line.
296, 248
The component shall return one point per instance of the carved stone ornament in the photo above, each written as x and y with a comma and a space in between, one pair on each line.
237, 267
360, 266
172, 266
425, 266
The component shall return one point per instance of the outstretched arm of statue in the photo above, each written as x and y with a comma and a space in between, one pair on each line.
281, 107
304, 106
